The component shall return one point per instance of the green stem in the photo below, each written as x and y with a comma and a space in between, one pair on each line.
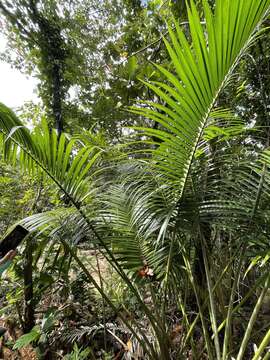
206, 300
230, 310
262, 346
166, 280
182, 306
267, 356
212, 302
103, 301
205, 330
162, 335
242, 302
252, 321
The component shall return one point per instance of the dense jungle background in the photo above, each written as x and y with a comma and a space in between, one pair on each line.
143, 178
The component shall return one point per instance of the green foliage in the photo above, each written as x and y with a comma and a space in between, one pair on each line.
44, 150
78, 353
182, 209
27, 339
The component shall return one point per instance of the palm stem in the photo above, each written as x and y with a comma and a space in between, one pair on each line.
262, 346
212, 301
252, 320
201, 314
230, 310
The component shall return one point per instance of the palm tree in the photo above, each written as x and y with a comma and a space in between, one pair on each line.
184, 211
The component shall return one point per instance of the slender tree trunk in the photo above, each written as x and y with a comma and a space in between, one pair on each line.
29, 303
29, 310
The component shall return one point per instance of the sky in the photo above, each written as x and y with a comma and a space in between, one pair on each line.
15, 87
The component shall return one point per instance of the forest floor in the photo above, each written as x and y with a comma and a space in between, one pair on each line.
12, 334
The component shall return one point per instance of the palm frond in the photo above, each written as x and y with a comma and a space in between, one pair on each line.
201, 71
133, 216
66, 162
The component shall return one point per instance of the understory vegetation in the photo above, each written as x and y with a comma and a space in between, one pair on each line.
143, 178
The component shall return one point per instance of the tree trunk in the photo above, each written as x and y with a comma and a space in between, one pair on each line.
29, 307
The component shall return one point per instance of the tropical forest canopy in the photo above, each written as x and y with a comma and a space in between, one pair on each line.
142, 177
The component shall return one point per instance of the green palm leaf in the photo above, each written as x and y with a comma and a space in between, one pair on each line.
67, 162
201, 71
132, 227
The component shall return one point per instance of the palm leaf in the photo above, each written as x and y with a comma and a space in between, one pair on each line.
67, 162
201, 71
